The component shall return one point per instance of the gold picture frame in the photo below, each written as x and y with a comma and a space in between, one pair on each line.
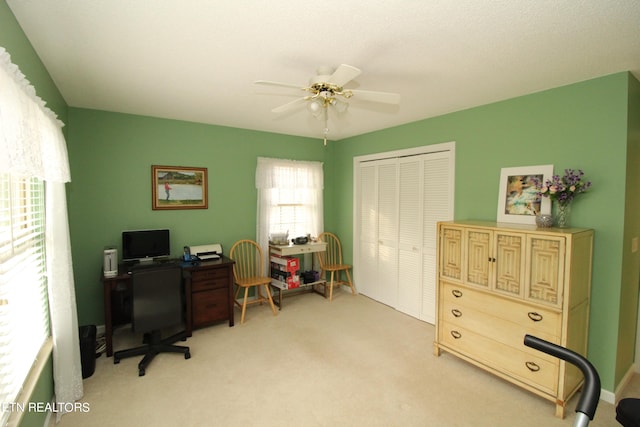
518, 199
179, 187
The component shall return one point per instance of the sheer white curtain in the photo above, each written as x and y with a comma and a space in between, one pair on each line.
32, 144
283, 182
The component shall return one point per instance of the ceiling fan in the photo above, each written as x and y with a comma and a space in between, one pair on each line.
326, 89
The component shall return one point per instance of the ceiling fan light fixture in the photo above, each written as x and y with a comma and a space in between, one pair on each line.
326, 89
315, 108
341, 106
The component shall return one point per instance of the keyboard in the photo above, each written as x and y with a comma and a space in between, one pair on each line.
149, 265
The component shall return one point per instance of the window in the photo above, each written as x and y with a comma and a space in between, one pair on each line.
292, 210
24, 320
289, 198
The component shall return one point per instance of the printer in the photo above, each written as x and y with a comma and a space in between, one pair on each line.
207, 252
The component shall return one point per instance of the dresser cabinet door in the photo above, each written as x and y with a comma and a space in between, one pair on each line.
545, 269
479, 257
450, 253
509, 262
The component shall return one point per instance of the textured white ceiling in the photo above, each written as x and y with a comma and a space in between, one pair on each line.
196, 60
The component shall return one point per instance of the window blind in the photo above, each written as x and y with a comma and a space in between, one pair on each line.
24, 318
291, 211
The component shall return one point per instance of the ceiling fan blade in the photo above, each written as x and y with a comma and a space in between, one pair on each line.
289, 105
269, 83
344, 74
372, 96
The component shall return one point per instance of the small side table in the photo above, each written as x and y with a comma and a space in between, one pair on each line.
296, 250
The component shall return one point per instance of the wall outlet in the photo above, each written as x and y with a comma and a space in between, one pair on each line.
634, 245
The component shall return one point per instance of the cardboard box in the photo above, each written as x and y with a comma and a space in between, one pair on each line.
286, 282
285, 263
282, 275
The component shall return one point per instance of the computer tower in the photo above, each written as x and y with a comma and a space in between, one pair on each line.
110, 265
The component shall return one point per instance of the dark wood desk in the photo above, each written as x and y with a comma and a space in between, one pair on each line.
208, 288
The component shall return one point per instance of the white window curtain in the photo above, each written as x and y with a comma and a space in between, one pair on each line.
32, 145
289, 198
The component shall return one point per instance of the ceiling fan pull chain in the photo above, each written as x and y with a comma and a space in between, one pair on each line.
326, 125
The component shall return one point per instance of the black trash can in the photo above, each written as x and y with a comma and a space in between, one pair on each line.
88, 350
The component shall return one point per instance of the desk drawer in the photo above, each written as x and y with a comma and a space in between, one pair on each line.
209, 279
210, 306
203, 285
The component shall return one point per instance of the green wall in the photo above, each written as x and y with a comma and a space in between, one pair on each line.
111, 156
583, 125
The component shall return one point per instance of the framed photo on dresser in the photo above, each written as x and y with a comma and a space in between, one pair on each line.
518, 199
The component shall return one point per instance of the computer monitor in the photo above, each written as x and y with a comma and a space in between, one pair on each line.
145, 245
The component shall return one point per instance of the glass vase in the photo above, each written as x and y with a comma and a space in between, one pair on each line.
562, 215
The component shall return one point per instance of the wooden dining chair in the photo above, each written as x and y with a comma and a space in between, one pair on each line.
331, 261
248, 272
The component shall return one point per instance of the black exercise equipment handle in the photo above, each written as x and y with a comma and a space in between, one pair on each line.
591, 389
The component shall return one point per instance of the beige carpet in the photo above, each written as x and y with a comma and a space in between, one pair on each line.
352, 362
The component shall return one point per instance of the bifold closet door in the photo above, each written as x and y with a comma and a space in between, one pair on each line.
437, 196
377, 264
388, 233
367, 283
410, 236
424, 200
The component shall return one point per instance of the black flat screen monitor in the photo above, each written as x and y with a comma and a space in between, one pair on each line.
145, 245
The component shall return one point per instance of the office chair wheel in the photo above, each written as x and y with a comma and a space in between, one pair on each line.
116, 360
187, 355
141, 372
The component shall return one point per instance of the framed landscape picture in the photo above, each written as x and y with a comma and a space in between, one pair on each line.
177, 187
518, 200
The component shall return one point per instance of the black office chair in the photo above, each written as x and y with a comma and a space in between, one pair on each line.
157, 305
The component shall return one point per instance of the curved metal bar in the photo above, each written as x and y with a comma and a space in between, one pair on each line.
591, 389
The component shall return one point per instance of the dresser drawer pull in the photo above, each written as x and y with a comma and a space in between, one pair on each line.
456, 312
533, 367
456, 293
456, 334
536, 317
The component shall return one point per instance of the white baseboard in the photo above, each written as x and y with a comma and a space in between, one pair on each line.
613, 397
607, 396
633, 369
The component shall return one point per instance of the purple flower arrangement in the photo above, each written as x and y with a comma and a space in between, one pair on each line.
564, 189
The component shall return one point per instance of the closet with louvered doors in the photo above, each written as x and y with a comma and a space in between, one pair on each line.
399, 202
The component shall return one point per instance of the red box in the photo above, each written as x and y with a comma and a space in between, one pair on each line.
285, 263
292, 282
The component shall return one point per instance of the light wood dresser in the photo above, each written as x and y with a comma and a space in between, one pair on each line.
498, 282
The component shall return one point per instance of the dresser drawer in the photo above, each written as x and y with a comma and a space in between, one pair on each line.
456, 299
533, 369
210, 306
494, 328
